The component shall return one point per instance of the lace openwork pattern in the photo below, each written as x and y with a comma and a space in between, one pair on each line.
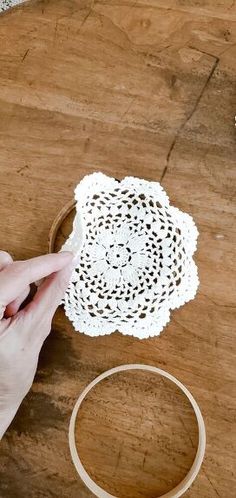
134, 257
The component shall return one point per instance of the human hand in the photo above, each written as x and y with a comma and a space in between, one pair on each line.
23, 332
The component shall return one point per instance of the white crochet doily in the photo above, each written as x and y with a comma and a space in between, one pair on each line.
134, 257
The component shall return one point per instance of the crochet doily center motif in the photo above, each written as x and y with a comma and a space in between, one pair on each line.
118, 256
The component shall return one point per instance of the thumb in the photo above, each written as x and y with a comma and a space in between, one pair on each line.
50, 293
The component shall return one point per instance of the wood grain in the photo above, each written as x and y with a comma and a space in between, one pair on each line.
141, 88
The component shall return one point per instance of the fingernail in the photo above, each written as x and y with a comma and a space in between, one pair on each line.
39, 282
75, 258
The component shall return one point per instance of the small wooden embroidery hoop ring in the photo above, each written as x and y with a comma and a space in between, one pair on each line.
182, 487
61, 216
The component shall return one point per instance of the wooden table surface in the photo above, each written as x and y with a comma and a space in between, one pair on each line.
145, 88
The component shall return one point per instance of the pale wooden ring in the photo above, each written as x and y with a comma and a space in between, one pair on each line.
182, 487
57, 223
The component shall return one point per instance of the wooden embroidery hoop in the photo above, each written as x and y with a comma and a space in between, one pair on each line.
182, 487
61, 216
